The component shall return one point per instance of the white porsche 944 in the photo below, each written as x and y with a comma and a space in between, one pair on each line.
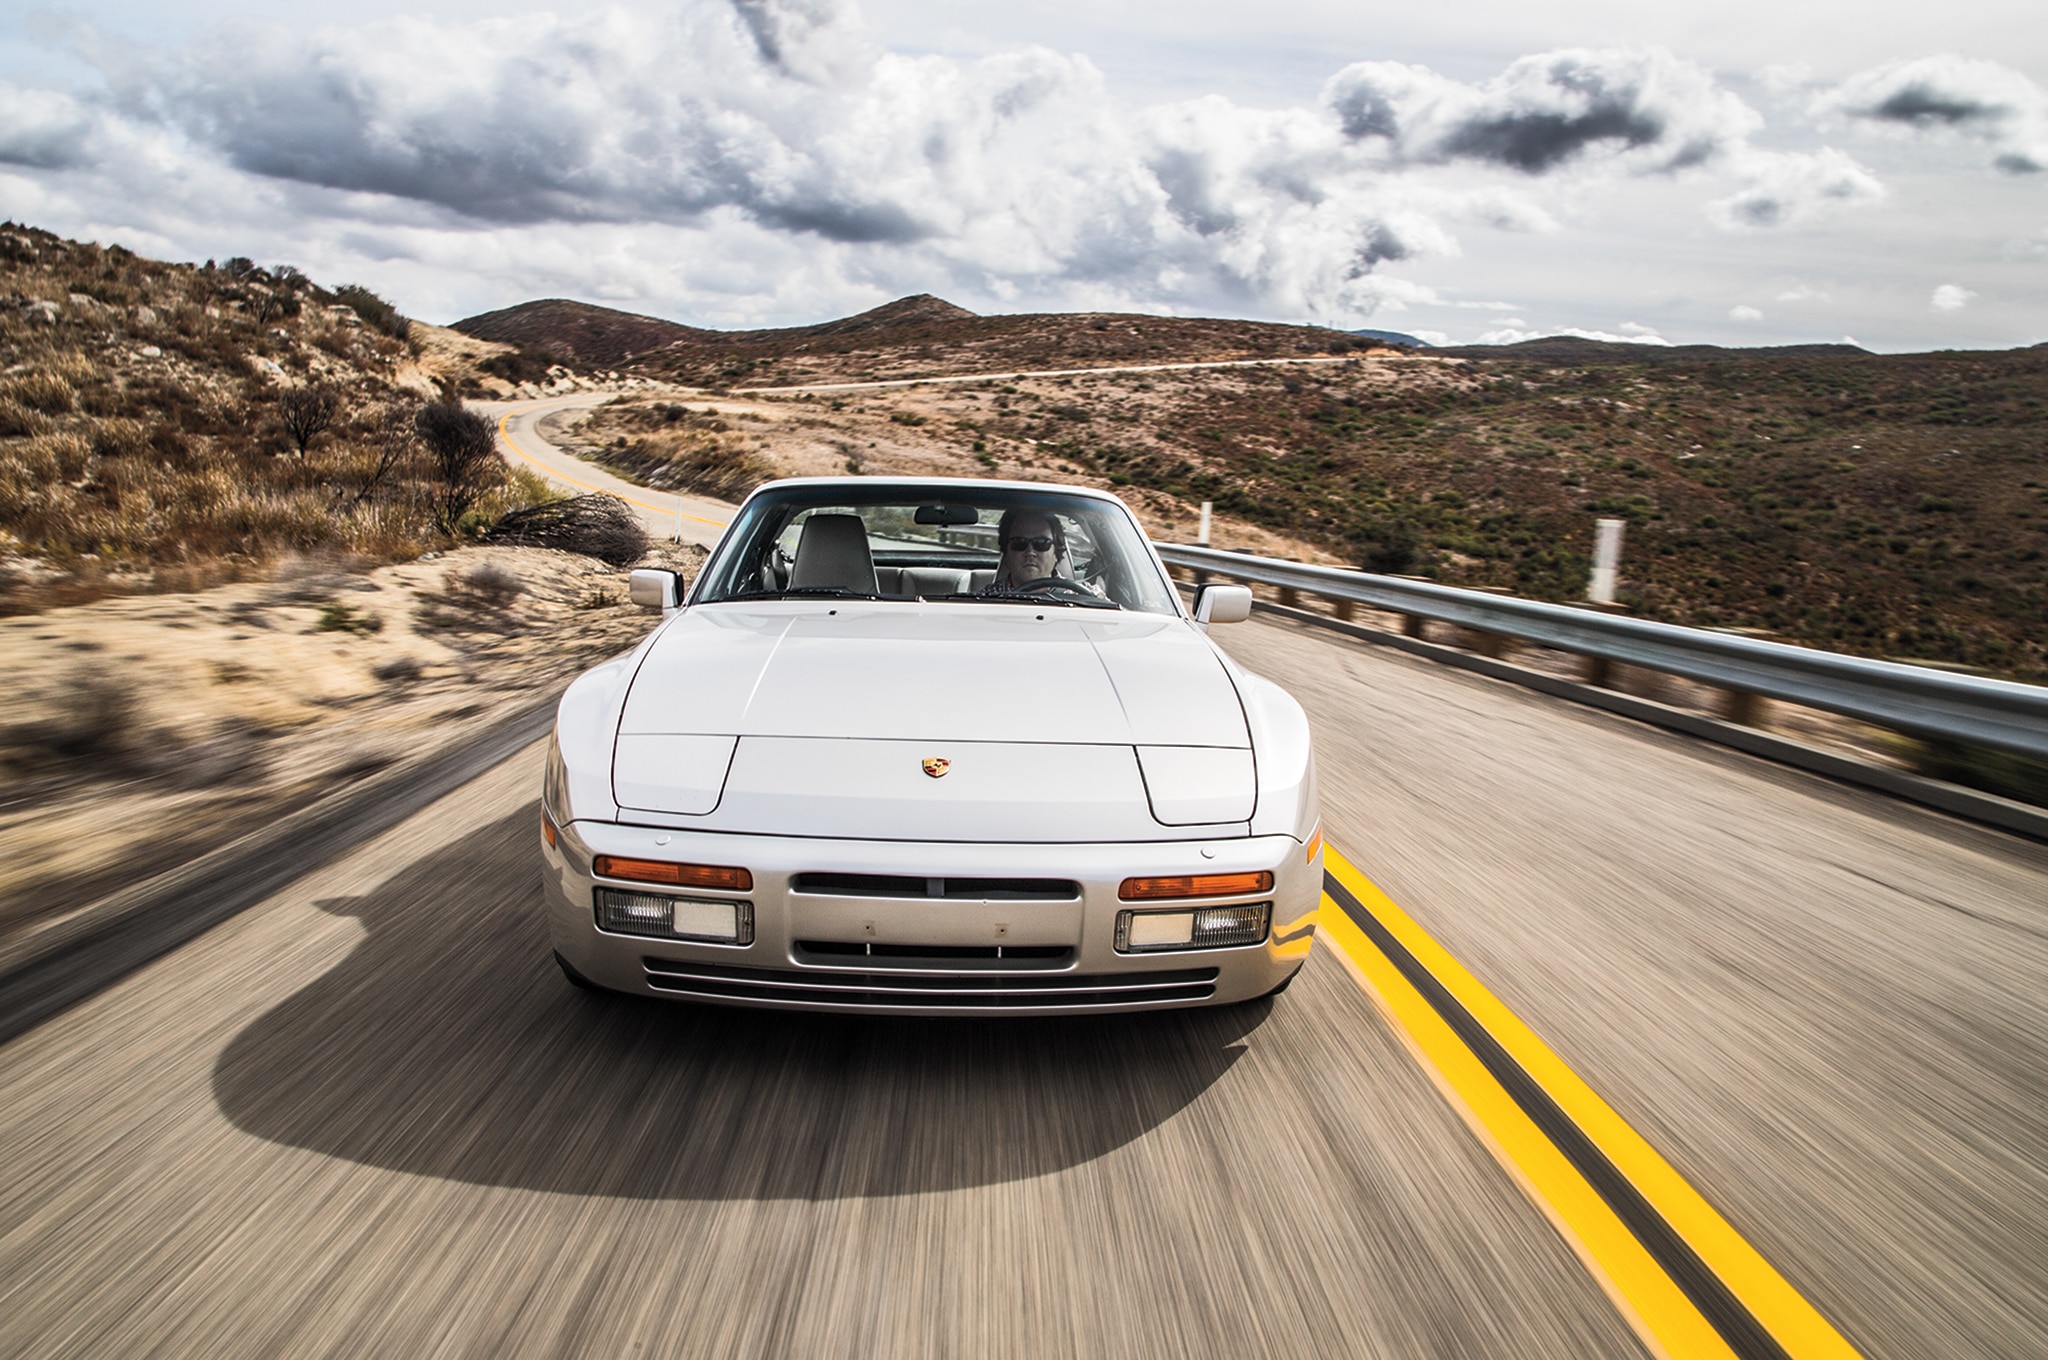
932, 747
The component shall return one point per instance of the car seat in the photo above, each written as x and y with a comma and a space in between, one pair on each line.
833, 552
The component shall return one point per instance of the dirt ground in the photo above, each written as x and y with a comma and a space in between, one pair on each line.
141, 730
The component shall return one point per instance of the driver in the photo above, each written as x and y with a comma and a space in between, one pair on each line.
1033, 545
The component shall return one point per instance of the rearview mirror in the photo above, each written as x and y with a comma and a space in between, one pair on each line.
654, 588
1223, 604
948, 514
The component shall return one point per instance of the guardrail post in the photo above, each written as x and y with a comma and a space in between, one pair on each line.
1598, 671
1290, 597
1495, 646
1412, 625
1343, 609
1740, 706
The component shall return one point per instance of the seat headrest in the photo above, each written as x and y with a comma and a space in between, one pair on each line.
833, 551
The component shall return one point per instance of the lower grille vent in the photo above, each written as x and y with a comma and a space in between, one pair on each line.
959, 889
1040, 954
926, 991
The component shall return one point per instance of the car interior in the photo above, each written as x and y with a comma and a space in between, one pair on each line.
798, 541
834, 550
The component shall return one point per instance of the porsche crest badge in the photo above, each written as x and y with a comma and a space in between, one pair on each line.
936, 766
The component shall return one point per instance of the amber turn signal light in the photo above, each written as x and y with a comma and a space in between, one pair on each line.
1195, 885
547, 828
674, 875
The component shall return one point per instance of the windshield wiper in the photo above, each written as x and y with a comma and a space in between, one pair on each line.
826, 592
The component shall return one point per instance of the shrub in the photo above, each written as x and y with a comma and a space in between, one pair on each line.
599, 526
40, 390
307, 412
337, 617
375, 312
520, 366
17, 420
464, 452
724, 466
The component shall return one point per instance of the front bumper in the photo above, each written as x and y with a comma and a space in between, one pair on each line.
848, 947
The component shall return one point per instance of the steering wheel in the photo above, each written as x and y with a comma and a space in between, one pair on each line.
1055, 585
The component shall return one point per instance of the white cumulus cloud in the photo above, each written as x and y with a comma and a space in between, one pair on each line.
1950, 297
1783, 188
1744, 312
1644, 108
741, 160
1954, 96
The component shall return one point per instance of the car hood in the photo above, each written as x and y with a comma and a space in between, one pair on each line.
934, 672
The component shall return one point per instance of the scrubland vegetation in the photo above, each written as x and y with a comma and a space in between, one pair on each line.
164, 426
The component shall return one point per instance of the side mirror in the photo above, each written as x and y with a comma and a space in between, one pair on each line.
654, 588
1223, 604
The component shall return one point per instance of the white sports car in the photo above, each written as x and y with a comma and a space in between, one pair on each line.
932, 747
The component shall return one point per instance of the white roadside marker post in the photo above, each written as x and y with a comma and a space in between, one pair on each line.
1600, 590
679, 521
1606, 560
1202, 534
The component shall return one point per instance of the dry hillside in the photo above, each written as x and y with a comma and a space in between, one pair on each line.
912, 337
164, 425
1885, 505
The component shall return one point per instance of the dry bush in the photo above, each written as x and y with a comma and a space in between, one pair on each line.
463, 450
17, 420
43, 389
599, 526
723, 465
307, 413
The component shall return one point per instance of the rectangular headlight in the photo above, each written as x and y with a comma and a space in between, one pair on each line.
674, 918
1151, 932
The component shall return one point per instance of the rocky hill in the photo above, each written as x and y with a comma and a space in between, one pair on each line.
910, 337
577, 332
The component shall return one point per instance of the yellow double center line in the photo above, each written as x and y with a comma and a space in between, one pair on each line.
1687, 1282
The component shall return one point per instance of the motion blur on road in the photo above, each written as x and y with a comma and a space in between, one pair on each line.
367, 1117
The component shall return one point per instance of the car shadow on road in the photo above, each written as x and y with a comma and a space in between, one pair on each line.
448, 1045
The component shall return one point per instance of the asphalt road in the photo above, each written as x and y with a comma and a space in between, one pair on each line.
366, 1117
693, 519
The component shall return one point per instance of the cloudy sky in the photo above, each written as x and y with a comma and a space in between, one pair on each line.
1754, 172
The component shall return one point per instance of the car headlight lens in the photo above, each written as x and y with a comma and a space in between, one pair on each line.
674, 918
1150, 932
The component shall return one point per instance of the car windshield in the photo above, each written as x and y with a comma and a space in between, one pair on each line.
945, 541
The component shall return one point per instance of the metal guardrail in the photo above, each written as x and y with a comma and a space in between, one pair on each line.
1913, 699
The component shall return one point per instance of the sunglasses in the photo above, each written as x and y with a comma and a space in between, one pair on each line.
1016, 543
